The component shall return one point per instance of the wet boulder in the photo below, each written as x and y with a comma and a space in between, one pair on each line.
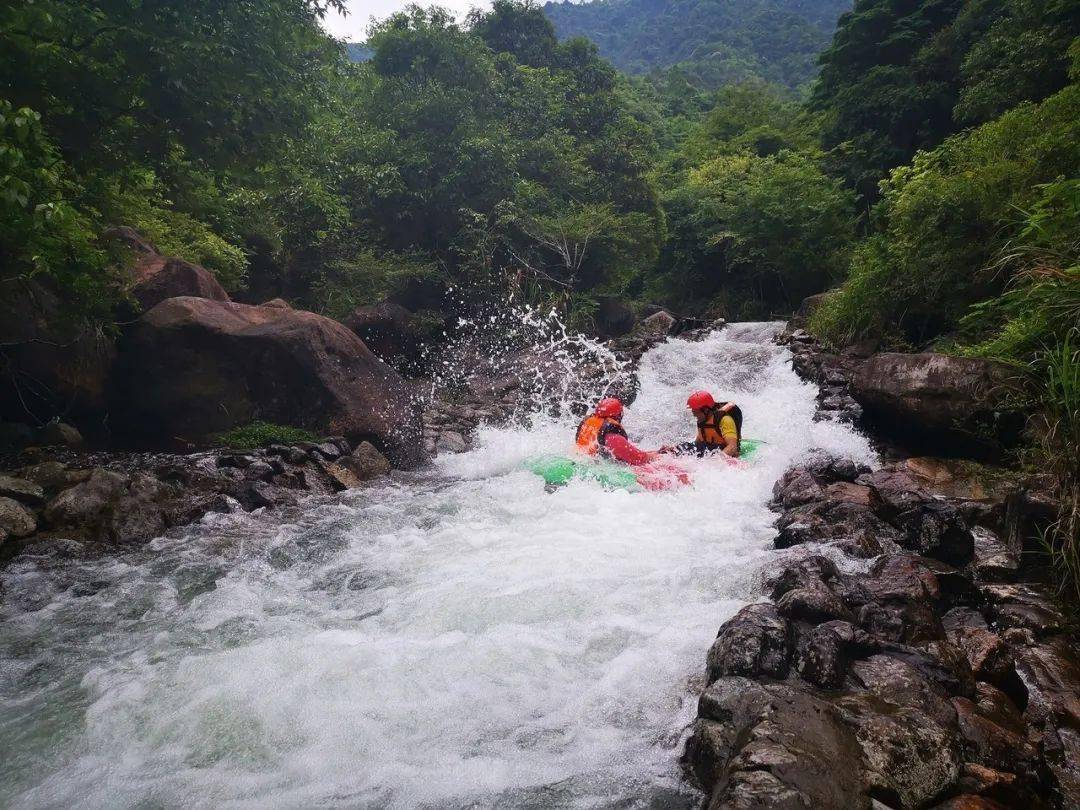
901, 684
20, 489
84, 507
773, 746
15, 520
755, 641
947, 404
659, 323
936, 529
156, 278
193, 367
909, 759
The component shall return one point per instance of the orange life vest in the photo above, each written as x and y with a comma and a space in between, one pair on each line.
709, 433
588, 432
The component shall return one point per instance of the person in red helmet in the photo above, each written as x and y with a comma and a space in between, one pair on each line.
719, 427
601, 433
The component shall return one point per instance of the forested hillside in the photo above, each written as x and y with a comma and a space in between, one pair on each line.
714, 42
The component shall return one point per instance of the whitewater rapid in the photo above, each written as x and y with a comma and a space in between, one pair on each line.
455, 637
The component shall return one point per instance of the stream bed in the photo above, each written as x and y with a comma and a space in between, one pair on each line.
453, 637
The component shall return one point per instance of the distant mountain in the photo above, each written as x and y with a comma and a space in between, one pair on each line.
715, 41
358, 52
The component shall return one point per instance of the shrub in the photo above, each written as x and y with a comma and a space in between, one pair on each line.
261, 434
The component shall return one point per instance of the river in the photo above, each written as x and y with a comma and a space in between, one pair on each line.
455, 637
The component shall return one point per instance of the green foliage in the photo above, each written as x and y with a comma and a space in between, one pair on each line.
41, 231
900, 77
763, 232
262, 434
712, 43
1058, 369
946, 216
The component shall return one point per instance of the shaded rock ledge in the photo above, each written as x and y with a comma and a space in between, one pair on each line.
907, 655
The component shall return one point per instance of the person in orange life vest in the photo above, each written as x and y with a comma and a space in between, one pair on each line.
719, 427
601, 433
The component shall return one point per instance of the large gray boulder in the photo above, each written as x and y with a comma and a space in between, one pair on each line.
957, 405
192, 367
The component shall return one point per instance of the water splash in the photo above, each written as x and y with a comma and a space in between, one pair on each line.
455, 637
529, 353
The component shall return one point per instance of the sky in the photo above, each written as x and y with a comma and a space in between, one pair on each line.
353, 28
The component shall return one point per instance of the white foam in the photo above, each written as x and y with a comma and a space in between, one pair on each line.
454, 638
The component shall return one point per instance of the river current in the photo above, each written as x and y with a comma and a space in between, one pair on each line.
454, 637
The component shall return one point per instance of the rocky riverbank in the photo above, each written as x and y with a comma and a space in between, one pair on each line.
908, 652
100, 499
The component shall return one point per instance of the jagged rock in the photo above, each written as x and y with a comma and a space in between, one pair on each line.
904, 577
755, 641
828, 521
900, 684
261, 470
906, 754
159, 277
137, 515
904, 622
329, 451
84, 507
53, 475
806, 572
937, 530
792, 737
1052, 677
897, 487
969, 802
15, 519
20, 489
795, 488
988, 656
992, 745
1023, 606
293, 455
60, 434
366, 462
821, 656
1000, 788
659, 323
193, 367
994, 561
450, 441
958, 618
814, 605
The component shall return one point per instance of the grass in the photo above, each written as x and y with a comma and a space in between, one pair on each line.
1059, 370
261, 434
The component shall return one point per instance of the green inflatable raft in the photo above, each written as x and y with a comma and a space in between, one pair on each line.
558, 470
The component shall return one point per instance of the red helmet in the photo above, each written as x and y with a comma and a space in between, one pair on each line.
700, 400
609, 407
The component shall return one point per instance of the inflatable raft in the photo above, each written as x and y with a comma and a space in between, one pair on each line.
559, 470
